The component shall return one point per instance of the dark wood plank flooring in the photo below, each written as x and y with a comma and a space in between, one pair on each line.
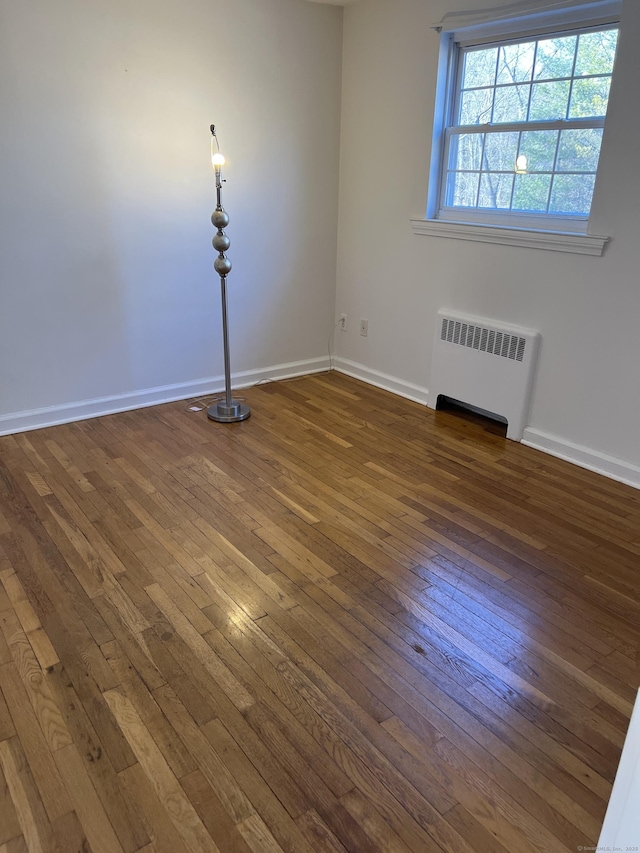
346, 624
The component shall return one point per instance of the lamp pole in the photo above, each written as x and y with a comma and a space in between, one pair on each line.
230, 410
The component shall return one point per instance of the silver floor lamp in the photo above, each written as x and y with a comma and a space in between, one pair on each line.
228, 410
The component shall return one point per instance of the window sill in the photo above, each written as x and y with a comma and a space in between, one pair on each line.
529, 238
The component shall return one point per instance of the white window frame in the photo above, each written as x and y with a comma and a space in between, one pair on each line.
480, 29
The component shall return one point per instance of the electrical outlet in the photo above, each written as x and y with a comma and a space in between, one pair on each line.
364, 328
343, 322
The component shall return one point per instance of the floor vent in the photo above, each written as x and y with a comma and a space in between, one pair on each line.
486, 364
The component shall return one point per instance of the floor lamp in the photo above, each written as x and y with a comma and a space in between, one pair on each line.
228, 410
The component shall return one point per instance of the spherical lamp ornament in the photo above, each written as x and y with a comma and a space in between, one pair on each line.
219, 218
221, 242
222, 265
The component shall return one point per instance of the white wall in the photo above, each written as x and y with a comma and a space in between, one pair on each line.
587, 396
621, 827
106, 278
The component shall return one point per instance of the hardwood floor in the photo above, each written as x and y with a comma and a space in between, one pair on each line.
346, 624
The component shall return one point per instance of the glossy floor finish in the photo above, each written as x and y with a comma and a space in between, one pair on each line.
346, 624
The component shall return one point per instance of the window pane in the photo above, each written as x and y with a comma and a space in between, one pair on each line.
555, 57
572, 194
466, 151
495, 191
539, 147
462, 189
511, 104
596, 52
579, 150
500, 152
549, 101
479, 68
515, 62
531, 192
590, 97
475, 107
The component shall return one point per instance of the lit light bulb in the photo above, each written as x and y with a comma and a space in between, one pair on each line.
521, 165
217, 160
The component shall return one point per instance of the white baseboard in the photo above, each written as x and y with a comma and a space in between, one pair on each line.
592, 460
84, 409
584, 457
601, 463
382, 380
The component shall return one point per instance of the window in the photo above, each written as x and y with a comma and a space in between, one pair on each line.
521, 124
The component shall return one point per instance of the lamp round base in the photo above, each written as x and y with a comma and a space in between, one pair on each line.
224, 414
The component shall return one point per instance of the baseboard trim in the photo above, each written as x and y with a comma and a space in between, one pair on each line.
382, 380
584, 457
592, 460
85, 409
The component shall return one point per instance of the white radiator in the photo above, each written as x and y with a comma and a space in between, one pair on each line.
484, 364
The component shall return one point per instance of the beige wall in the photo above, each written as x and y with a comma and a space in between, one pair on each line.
106, 279
587, 396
